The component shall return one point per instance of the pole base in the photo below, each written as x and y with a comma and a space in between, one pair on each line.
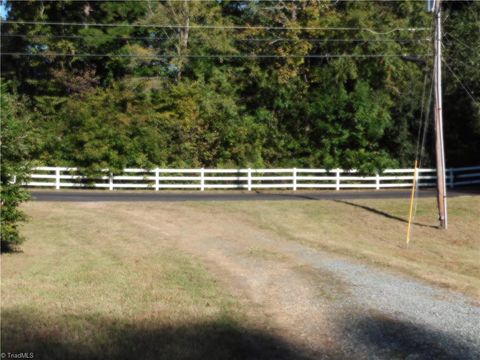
442, 224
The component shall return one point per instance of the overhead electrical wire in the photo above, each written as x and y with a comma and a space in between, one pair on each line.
467, 90
455, 39
269, 39
457, 60
425, 119
84, 36
221, 27
422, 133
422, 108
242, 1
210, 56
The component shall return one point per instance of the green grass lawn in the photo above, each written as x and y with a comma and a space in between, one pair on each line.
87, 285
93, 281
374, 231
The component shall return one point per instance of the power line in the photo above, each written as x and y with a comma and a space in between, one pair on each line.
212, 56
457, 60
422, 108
222, 27
269, 39
115, 37
455, 39
426, 121
467, 90
242, 1
424, 125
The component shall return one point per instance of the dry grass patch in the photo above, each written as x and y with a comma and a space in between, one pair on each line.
119, 281
375, 231
90, 285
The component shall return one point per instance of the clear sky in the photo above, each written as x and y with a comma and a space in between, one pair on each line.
3, 13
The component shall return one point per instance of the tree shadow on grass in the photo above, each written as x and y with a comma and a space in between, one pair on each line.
383, 213
395, 339
9, 249
96, 337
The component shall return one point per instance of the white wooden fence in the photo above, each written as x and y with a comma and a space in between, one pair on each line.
293, 179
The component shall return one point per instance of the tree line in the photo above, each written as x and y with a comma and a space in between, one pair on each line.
225, 83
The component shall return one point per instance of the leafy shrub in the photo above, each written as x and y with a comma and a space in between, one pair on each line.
15, 148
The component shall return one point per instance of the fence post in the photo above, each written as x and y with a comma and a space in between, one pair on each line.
451, 180
337, 186
377, 182
110, 181
249, 179
202, 179
294, 179
157, 180
57, 178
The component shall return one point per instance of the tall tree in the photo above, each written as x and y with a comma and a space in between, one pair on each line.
233, 83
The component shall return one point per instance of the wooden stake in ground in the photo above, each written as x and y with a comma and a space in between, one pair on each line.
412, 200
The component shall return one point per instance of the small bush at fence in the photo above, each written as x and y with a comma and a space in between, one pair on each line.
15, 148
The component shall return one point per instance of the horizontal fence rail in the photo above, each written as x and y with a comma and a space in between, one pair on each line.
248, 179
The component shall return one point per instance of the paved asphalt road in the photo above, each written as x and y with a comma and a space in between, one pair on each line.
96, 196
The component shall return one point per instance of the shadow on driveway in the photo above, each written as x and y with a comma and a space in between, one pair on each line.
97, 337
393, 339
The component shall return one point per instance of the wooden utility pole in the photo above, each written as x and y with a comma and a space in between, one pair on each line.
439, 145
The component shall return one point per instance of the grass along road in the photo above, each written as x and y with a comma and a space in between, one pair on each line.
374, 231
240, 280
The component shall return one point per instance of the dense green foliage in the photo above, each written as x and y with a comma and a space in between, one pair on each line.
15, 148
462, 46
156, 106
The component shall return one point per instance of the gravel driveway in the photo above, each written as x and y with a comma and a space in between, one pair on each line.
324, 305
389, 314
